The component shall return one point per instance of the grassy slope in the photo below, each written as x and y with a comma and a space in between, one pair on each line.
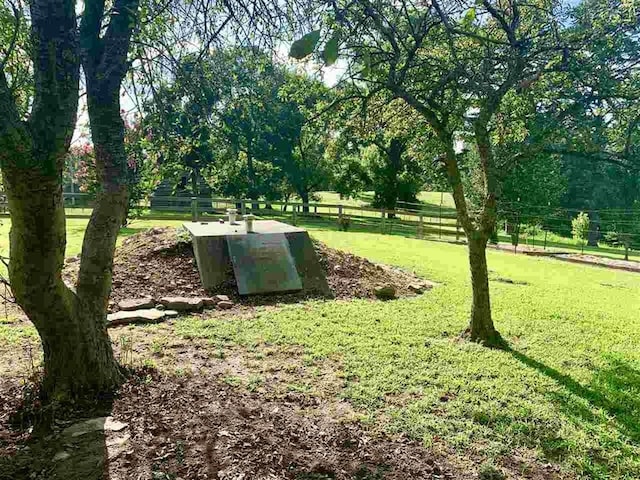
569, 390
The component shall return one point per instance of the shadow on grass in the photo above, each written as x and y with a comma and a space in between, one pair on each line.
614, 390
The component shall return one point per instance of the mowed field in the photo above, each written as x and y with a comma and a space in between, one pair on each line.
566, 392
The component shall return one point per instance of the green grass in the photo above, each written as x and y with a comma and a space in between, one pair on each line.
568, 390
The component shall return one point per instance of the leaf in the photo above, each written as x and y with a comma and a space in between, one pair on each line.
304, 46
469, 17
366, 62
330, 53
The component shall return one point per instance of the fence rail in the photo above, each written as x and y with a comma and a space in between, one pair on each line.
413, 219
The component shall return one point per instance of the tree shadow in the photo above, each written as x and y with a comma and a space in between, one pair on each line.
613, 389
58, 445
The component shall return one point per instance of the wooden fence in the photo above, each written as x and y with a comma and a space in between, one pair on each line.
411, 220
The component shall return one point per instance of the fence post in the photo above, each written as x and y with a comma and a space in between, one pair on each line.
440, 216
339, 211
383, 221
194, 209
457, 230
421, 228
243, 208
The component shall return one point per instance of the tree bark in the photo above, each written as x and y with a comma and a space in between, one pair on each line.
481, 327
304, 196
78, 358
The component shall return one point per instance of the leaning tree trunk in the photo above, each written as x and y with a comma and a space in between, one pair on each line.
481, 327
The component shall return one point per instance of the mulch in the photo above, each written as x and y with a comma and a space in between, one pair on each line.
201, 428
160, 262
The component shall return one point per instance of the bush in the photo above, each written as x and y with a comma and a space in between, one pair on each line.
344, 222
580, 229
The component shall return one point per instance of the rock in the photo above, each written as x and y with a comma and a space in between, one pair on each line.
159, 307
385, 292
417, 288
225, 305
117, 445
94, 425
222, 298
170, 313
188, 304
136, 316
111, 425
136, 303
61, 456
209, 302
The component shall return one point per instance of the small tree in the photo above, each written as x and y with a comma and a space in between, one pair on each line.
580, 229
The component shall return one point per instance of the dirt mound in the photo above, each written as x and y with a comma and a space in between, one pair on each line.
160, 262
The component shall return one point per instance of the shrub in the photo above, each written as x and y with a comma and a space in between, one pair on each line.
344, 222
580, 229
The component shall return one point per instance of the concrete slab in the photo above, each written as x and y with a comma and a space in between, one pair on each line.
211, 248
217, 229
263, 263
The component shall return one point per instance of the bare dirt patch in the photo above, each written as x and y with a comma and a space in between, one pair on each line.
160, 262
198, 428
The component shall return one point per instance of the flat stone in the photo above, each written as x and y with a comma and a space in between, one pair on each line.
209, 302
94, 425
61, 456
136, 303
170, 313
136, 316
117, 445
222, 298
182, 303
417, 288
385, 292
111, 425
225, 305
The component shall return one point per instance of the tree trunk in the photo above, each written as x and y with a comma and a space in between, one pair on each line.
594, 229
251, 174
77, 351
78, 358
304, 196
481, 327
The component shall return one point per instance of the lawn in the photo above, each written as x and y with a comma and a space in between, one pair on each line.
567, 391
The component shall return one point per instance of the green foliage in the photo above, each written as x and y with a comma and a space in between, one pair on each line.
580, 228
246, 124
304, 46
344, 222
330, 52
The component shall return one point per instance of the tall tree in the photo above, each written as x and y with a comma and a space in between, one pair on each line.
71, 323
455, 63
